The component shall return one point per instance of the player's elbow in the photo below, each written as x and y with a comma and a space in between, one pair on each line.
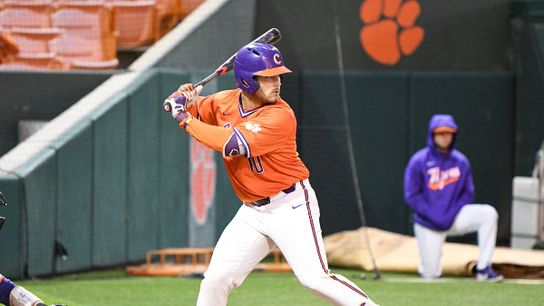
235, 145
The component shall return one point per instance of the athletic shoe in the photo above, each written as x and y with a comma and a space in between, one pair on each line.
488, 275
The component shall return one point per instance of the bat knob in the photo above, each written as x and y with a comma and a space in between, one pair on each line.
166, 106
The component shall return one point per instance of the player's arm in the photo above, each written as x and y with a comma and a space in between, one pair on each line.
225, 140
467, 190
413, 189
194, 113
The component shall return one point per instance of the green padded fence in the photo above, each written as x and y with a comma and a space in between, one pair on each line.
173, 169
40, 199
378, 108
143, 150
12, 237
109, 229
74, 153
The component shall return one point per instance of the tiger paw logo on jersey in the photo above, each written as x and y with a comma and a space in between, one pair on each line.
203, 180
438, 179
253, 127
389, 29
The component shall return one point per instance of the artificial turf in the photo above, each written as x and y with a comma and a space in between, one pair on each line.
114, 288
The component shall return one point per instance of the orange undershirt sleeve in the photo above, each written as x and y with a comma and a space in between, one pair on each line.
214, 137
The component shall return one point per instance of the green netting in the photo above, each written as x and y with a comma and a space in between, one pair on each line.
378, 108
528, 35
389, 113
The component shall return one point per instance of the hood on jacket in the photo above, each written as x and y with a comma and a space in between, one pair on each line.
441, 122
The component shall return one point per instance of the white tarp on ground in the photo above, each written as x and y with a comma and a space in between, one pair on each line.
399, 253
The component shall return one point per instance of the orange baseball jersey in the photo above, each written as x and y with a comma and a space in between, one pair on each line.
268, 134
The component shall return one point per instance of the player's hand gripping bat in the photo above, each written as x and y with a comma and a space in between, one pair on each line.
271, 36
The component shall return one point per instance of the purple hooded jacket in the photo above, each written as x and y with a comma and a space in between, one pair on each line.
437, 185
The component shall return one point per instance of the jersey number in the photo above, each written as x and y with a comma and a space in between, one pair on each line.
255, 164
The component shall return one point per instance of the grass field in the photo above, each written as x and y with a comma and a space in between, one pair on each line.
114, 288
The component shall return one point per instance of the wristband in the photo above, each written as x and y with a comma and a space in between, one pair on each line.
185, 122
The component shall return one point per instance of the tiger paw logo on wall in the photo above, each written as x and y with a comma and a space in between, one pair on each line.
380, 36
203, 180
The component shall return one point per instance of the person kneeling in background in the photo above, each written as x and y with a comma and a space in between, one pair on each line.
439, 188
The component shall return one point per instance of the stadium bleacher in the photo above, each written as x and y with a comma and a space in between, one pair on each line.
88, 35
135, 22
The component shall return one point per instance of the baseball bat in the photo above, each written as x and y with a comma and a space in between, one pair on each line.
271, 36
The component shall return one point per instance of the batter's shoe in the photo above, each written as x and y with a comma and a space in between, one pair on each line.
488, 275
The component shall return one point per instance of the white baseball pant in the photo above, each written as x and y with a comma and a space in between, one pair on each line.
290, 221
481, 218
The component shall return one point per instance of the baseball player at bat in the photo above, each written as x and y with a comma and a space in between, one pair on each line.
255, 130
10, 293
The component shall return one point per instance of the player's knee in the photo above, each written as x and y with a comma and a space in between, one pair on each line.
214, 283
312, 281
491, 214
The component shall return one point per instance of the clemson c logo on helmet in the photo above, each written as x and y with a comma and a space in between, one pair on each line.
277, 59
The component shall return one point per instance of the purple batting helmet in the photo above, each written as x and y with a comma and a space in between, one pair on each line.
257, 59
